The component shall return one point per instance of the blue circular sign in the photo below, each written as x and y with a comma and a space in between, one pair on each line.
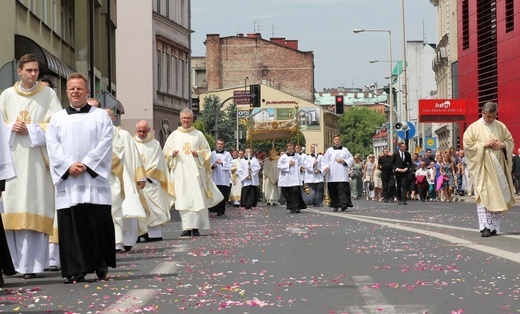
411, 131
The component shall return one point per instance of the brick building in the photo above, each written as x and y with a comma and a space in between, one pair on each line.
243, 60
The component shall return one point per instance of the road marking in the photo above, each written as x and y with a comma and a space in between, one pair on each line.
512, 256
377, 303
132, 301
180, 248
165, 268
297, 230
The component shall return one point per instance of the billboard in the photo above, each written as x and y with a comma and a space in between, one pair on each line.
442, 110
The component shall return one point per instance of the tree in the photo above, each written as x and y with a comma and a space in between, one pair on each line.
357, 127
199, 125
227, 120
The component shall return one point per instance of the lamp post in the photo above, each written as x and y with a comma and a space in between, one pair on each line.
245, 82
405, 82
391, 100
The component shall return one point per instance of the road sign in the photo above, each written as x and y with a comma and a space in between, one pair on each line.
242, 97
411, 131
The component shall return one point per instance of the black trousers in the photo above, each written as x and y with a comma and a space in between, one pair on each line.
220, 208
386, 177
293, 197
249, 196
339, 193
401, 181
86, 236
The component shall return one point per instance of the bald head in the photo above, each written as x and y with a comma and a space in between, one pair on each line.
111, 114
143, 128
94, 102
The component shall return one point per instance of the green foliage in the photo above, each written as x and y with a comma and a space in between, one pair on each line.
199, 125
357, 126
226, 121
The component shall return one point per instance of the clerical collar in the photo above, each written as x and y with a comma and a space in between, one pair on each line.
485, 123
312, 155
337, 147
84, 109
289, 154
219, 151
27, 90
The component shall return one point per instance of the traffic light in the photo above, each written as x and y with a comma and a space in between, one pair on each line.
339, 104
255, 95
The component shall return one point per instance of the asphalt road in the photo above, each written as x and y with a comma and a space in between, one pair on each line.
425, 257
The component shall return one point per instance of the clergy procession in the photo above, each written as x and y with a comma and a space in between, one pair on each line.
76, 189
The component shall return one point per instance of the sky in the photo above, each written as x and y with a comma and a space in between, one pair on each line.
341, 58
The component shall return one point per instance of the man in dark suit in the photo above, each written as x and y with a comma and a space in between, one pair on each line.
402, 164
516, 172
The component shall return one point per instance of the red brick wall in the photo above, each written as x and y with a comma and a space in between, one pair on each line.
231, 59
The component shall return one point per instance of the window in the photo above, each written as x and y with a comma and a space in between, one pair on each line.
54, 16
167, 8
510, 15
159, 68
168, 72
465, 24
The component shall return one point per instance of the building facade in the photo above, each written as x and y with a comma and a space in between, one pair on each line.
153, 53
245, 60
489, 35
66, 36
445, 65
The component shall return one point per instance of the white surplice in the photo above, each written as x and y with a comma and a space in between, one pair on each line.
66, 146
337, 172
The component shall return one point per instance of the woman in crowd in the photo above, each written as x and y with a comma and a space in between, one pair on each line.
368, 176
356, 178
449, 177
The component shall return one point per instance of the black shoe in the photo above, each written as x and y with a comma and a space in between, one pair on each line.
493, 233
350, 205
29, 276
186, 233
127, 247
297, 211
405, 203
142, 238
195, 233
154, 239
74, 279
485, 233
1, 280
399, 203
335, 209
386, 201
54, 268
344, 208
102, 272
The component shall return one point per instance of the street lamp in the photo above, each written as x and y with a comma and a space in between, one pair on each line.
245, 82
391, 101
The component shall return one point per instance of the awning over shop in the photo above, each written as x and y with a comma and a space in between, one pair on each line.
272, 130
107, 100
48, 61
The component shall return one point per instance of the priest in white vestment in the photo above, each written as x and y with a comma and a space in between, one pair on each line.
290, 179
335, 164
157, 201
221, 163
128, 177
29, 200
270, 183
236, 183
7, 172
488, 146
187, 152
134, 180
79, 141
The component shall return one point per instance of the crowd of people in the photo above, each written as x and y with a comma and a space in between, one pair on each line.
76, 189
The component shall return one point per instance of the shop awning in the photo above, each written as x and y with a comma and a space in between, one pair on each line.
48, 62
